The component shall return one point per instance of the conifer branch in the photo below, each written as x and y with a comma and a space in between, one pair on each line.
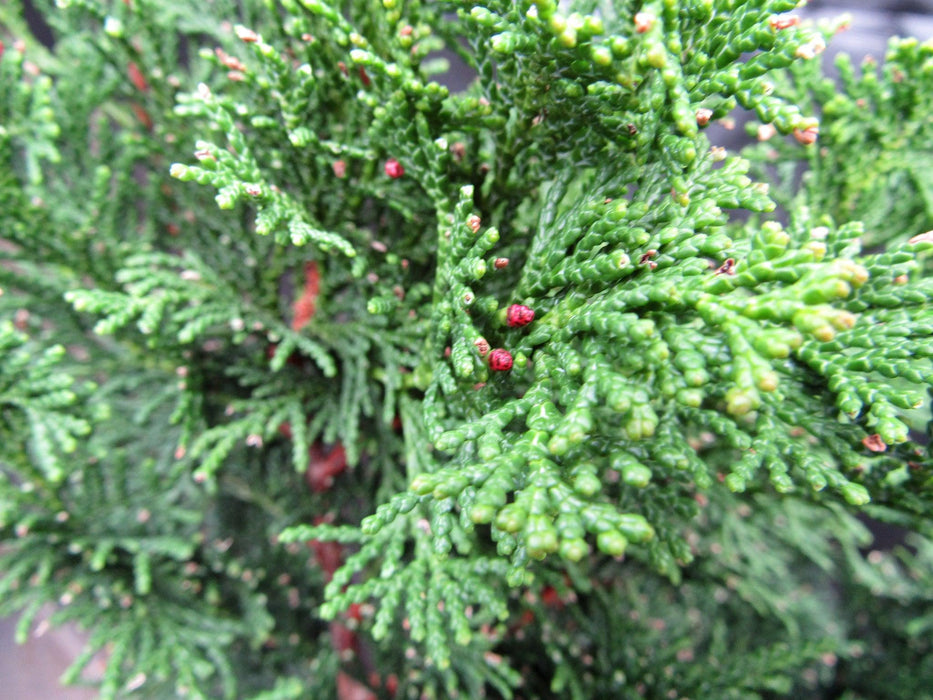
306, 355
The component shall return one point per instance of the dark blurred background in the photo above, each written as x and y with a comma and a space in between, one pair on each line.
31, 671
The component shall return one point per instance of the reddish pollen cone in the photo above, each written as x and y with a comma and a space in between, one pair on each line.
500, 360
324, 466
306, 305
394, 169
342, 637
355, 612
806, 136
348, 688
551, 598
142, 115
519, 315
137, 77
329, 556
874, 443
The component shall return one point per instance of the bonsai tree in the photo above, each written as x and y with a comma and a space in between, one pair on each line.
322, 379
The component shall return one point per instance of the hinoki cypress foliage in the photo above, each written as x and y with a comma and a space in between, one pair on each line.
322, 379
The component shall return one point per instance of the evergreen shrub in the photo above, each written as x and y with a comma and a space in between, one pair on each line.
321, 379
